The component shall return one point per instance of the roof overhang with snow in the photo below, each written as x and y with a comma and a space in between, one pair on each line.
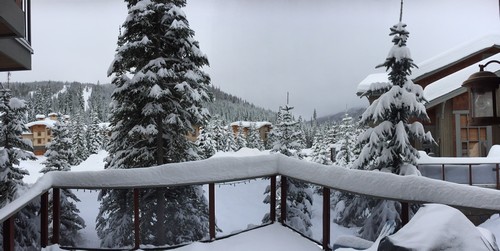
442, 76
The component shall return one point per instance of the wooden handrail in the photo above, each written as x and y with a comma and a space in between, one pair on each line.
228, 169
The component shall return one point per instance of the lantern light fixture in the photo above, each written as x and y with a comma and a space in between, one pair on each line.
484, 97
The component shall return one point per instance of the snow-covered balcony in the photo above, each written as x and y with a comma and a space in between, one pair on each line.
406, 189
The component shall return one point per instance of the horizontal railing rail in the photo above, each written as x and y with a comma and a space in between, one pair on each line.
406, 189
478, 171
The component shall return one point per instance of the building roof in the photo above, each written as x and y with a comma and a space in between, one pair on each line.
442, 75
248, 124
46, 122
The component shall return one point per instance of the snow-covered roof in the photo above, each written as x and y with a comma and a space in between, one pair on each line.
248, 124
39, 116
411, 188
46, 122
462, 51
450, 84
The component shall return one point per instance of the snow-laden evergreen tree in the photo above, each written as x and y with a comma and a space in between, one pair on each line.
347, 149
395, 116
58, 153
253, 138
288, 141
206, 142
219, 132
230, 145
13, 149
287, 135
79, 139
241, 140
158, 99
350, 209
321, 148
94, 135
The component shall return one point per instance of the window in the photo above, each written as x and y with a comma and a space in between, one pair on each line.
39, 141
472, 141
39, 134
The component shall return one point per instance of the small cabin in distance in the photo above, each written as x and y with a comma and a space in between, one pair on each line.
264, 128
40, 131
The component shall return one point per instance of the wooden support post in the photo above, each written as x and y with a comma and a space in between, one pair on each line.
8, 234
498, 176
283, 199
137, 222
56, 214
470, 174
405, 213
272, 199
44, 219
326, 218
211, 210
443, 171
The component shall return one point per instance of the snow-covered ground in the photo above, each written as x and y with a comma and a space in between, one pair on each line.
238, 206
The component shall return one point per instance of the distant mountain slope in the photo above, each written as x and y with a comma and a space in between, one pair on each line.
72, 98
231, 108
355, 113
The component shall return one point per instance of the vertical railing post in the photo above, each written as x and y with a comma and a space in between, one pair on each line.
137, 221
405, 213
326, 218
8, 234
470, 174
498, 176
272, 199
442, 172
283, 199
56, 214
44, 220
211, 210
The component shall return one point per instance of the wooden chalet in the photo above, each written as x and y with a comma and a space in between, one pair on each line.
448, 102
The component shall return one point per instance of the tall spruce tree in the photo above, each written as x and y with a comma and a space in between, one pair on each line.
253, 138
58, 154
13, 149
395, 115
79, 139
94, 135
152, 111
288, 141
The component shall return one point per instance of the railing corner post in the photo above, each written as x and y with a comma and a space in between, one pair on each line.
283, 199
272, 199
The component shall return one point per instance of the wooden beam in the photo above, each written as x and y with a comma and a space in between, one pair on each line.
137, 222
272, 199
283, 199
56, 214
8, 232
405, 213
44, 220
211, 210
326, 218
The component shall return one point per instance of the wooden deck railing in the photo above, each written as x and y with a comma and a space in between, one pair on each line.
218, 170
484, 172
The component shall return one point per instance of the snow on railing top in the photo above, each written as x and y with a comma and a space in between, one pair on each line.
415, 189
492, 158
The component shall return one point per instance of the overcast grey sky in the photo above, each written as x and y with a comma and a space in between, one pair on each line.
318, 50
